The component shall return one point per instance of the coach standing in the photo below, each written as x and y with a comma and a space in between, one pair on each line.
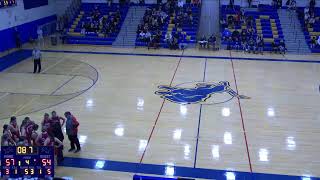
72, 131
36, 53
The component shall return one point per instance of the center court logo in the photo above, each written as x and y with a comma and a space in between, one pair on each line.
199, 93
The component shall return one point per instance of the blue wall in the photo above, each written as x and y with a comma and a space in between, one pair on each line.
7, 39
29, 4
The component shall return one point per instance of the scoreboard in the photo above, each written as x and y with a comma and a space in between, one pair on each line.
27, 161
7, 3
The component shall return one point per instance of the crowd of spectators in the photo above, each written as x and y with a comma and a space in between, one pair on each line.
99, 23
50, 133
150, 30
309, 15
247, 39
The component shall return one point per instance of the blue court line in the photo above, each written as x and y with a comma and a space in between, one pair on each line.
179, 171
186, 56
199, 121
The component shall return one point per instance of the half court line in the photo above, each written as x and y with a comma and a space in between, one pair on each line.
199, 121
241, 115
156, 121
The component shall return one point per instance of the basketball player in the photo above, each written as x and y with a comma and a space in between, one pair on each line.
42, 137
57, 133
14, 128
56, 118
58, 145
46, 122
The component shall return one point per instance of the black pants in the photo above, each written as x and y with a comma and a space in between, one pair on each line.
36, 65
74, 141
60, 154
60, 151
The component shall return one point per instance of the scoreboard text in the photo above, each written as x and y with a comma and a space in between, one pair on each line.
27, 161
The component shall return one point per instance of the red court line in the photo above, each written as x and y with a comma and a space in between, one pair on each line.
156, 121
243, 126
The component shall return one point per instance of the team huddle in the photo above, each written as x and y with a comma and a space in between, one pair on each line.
51, 133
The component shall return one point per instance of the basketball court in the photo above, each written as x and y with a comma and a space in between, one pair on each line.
265, 120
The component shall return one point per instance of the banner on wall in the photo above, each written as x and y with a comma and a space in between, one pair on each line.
29, 4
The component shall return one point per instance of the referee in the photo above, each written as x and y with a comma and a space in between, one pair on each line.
36, 53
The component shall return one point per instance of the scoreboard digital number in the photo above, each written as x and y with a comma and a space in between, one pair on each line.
7, 3
27, 161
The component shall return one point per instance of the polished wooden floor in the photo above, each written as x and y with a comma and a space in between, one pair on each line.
117, 114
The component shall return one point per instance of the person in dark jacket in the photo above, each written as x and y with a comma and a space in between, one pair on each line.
17, 38
56, 129
72, 132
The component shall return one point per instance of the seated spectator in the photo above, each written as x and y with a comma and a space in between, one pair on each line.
313, 43
312, 4
142, 36
242, 16
249, 21
250, 3
243, 34
168, 38
148, 36
274, 4
229, 43
260, 44
235, 34
223, 23
318, 41
226, 34
244, 45
180, 4
230, 22
190, 20
203, 42
174, 44
231, 4
250, 32
311, 22
83, 29
109, 3
292, 4
182, 44
237, 44
282, 47
212, 41
275, 47
252, 46
196, 3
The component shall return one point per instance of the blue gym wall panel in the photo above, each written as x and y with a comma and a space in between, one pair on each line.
27, 30
29, 4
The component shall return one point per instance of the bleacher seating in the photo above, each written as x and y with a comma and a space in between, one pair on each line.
309, 32
74, 35
169, 26
265, 22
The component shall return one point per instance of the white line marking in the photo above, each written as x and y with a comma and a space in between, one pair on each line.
4, 95
52, 65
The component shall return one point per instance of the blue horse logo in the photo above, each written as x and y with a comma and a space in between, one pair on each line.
198, 94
